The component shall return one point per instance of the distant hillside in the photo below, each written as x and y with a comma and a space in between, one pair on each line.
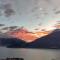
12, 43
50, 41
5, 35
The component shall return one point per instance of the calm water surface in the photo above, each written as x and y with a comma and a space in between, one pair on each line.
30, 54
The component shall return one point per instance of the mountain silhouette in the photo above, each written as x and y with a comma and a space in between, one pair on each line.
51, 41
12, 43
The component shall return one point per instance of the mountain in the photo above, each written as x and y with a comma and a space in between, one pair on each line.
4, 35
50, 41
12, 43
25, 35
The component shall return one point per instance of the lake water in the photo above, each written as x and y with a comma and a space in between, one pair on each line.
30, 54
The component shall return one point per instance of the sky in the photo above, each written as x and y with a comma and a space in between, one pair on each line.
32, 14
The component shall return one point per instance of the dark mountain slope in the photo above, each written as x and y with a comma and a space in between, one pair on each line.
50, 41
12, 42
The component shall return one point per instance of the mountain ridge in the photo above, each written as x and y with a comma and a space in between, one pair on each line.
50, 41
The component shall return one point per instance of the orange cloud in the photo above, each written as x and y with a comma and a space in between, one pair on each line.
28, 36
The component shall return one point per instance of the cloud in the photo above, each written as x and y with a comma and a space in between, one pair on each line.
36, 29
13, 27
57, 12
10, 28
9, 12
22, 28
39, 24
2, 25
5, 28
7, 6
57, 25
7, 9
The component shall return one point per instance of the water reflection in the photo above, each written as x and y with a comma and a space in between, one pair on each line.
30, 54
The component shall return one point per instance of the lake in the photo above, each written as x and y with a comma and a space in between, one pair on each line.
30, 54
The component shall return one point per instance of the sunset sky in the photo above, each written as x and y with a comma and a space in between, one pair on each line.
32, 14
